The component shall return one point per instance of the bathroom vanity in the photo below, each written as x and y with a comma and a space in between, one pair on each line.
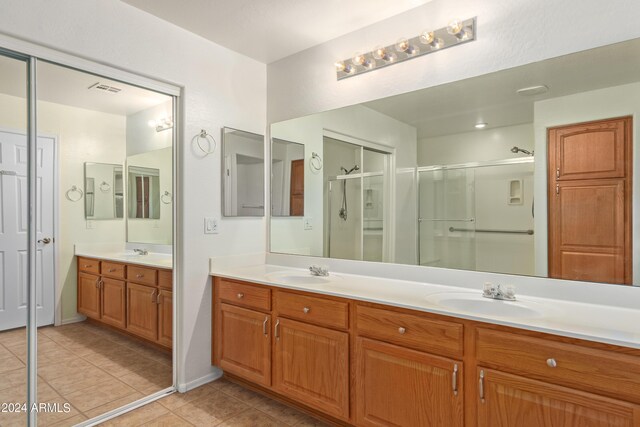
358, 362
133, 297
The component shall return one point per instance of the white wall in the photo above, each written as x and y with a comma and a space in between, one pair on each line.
510, 33
477, 146
287, 234
221, 88
582, 107
82, 136
141, 137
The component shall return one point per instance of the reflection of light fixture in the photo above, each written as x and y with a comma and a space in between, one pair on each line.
481, 125
161, 124
456, 33
532, 90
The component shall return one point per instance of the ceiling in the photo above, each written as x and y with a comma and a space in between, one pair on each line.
492, 98
271, 30
65, 86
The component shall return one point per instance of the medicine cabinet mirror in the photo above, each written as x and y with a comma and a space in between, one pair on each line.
242, 173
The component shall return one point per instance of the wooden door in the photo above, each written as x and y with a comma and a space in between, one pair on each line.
590, 201
396, 386
296, 199
244, 343
113, 302
89, 295
311, 365
165, 317
513, 401
142, 311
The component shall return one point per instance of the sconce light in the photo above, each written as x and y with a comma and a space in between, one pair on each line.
429, 41
161, 124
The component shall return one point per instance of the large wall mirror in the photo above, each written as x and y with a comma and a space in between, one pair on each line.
242, 173
526, 171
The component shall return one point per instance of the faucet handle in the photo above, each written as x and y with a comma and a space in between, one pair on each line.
488, 289
510, 291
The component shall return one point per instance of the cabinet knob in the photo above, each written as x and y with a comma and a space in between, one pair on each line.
552, 363
402, 330
139, 276
87, 265
240, 295
112, 270
306, 310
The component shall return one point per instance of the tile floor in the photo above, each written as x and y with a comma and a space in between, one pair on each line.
90, 367
220, 403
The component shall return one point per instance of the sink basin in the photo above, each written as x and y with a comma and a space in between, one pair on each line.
291, 278
474, 303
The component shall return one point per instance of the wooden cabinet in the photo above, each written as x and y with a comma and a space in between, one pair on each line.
142, 311
165, 317
369, 364
512, 401
396, 386
136, 299
245, 343
113, 310
311, 364
89, 295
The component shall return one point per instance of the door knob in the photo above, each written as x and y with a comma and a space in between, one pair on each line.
46, 240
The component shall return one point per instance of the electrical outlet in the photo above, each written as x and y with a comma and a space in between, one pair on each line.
210, 225
308, 223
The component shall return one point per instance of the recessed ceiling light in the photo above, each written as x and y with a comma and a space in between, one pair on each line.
481, 125
533, 90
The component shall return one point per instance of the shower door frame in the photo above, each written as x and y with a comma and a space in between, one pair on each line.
31, 53
469, 165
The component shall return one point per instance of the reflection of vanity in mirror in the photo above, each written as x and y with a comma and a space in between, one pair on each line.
103, 191
242, 173
526, 171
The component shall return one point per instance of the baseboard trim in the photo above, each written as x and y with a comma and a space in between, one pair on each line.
182, 388
75, 319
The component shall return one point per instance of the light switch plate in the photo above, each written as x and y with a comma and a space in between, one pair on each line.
210, 225
308, 223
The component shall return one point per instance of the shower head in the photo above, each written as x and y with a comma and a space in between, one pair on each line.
517, 150
347, 172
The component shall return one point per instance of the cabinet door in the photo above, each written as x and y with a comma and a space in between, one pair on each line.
113, 302
512, 401
396, 386
165, 317
89, 295
244, 343
312, 366
142, 311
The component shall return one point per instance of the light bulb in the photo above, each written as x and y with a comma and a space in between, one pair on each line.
340, 66
427, 37
390, 57
349, 69
402, 45
369, 64
379, 52
437, 44
455, 27
481, 125
358, 59
413, 50
151, 123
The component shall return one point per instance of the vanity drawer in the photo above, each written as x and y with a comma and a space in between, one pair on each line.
316, 310
165, 279
591, 369
89, 265
112, 269
420, 333
251, 296
142, 275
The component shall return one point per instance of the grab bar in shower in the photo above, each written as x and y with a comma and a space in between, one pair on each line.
451, 220
480, 230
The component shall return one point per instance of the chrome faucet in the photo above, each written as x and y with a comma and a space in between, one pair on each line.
506, 293
318, 270
141, 251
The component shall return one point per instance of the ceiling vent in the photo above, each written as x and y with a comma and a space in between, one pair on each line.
104, 88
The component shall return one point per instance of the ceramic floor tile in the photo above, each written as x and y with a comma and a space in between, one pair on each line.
245, 395
176, 400
280, 411
113, 405
99, 394
56, 412
211, 410
13, 378
146, 382
10, 363
138, 416
309, 421
72, 421
58, 370
80, 380
168, 420
14, 337
251, 418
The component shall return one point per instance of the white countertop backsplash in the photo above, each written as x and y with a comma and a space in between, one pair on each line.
595, 312
159, 257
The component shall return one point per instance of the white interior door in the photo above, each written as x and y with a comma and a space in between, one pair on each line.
13, 231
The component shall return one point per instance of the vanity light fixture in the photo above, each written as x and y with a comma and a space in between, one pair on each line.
429, 41
161, 124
